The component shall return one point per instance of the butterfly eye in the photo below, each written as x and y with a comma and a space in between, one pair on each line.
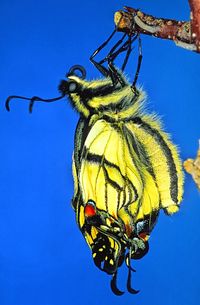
72, 87
78, 71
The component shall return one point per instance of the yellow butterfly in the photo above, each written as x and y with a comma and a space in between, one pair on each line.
125, 167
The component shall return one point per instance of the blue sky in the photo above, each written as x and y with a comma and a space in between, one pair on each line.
44, 259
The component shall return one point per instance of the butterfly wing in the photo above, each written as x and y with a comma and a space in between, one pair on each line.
130, 170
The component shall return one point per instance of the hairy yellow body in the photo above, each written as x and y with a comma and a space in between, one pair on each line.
125, 168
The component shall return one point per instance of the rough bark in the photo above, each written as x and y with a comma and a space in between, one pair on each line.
185, 34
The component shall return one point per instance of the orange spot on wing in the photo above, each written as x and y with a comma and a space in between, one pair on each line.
144, 236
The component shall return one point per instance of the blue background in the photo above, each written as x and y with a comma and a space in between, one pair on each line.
44, 259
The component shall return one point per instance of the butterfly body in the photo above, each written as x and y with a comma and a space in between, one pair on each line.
125, 170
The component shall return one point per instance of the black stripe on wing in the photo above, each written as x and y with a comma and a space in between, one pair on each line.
168, 154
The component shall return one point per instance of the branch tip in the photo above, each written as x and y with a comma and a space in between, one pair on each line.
185, 34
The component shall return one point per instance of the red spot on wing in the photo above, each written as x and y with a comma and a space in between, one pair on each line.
89, 210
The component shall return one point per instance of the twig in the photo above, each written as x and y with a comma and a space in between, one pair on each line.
192, 166
185, 34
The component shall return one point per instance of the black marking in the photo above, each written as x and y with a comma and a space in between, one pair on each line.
92, 221
94, 158
105, 90
77, 200
118, 199
104, 254
81, 133
168, 154
124, 103
106, 196
129, 185
134, 142
99, 90
114, 184
130, 215
124, 201
135, 162
141, 152
82, 130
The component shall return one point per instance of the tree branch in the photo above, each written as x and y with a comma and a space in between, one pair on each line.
195, 21
185, 34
